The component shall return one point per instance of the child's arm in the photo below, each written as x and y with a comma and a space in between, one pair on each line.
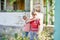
30, 20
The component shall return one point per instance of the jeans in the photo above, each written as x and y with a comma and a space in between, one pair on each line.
25, 34
32, 35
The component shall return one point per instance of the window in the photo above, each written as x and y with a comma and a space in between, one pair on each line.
44, 2
15, 6
20, 4
2, 4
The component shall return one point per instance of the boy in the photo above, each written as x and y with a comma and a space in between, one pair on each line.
26, 28
34, 26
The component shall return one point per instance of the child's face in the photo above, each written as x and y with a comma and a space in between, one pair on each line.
24, 18
34, 15
38, 9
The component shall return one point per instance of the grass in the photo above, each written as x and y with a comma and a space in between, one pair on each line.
47, 34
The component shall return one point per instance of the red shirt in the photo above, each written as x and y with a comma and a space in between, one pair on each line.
34, 25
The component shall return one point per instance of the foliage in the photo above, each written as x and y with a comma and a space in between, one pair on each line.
11, 1
51, 12
16, 35
50, 2
4, 37
47, 34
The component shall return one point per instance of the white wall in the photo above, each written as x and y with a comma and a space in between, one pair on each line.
12, 18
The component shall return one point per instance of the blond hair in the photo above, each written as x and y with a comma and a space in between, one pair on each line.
34, 13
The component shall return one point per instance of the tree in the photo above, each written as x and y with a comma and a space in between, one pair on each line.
11, 1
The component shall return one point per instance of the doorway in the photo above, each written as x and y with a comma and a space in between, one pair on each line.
19, 5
